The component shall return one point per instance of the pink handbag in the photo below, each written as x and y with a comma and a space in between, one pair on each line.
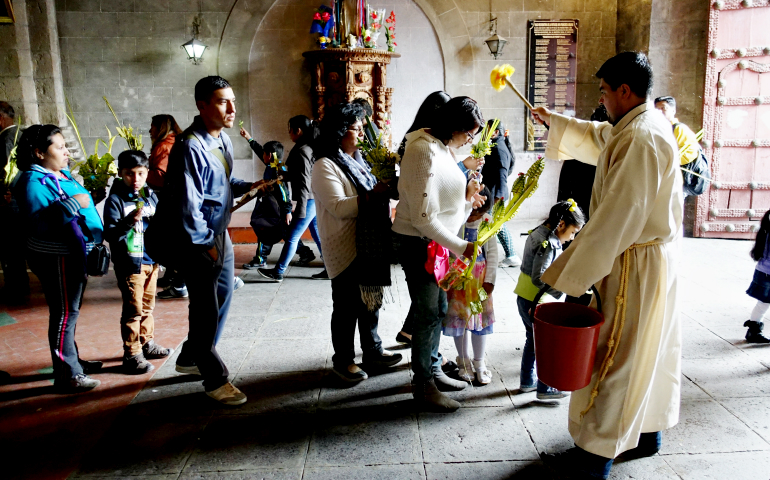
438, 260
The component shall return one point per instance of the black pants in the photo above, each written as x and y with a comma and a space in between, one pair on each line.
13, 253
349, 309
209, 303
64, 281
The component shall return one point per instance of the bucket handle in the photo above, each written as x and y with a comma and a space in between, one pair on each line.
545, 289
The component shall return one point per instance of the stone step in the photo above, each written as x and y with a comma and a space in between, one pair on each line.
241, 232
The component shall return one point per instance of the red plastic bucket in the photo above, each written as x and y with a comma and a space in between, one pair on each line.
566, 335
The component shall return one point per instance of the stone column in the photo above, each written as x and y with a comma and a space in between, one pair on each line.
46, 61
17, 84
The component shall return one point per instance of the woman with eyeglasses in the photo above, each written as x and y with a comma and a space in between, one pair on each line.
352, 210
435, 200
62, 225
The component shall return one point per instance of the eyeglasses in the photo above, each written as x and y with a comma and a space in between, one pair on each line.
470, 135
357, 130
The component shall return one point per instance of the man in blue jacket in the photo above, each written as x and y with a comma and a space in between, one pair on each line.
195, 208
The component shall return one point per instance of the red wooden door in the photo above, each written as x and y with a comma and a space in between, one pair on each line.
736, 118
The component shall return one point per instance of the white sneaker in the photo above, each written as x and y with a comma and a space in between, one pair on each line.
466, 369
483, 375
228, 394
238, 283
512, 261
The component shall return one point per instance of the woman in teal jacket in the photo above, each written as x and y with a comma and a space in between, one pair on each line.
62, 225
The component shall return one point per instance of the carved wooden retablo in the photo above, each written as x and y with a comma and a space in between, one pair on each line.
344, 74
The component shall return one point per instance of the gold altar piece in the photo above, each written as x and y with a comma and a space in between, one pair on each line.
344, 74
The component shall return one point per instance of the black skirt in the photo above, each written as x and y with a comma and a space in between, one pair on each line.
760, 287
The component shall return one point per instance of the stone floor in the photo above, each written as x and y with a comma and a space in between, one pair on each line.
301, 423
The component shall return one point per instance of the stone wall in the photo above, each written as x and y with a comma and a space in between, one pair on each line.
633, 30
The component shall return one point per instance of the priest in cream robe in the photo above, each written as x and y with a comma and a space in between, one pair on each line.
633, 239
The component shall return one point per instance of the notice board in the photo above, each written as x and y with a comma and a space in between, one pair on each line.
551, 73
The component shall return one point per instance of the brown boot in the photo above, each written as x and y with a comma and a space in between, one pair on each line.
430, 399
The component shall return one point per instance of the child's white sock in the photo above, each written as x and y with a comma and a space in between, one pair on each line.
479, 346
760, 309
463, 345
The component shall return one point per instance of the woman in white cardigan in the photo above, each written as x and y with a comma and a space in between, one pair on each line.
343, 186
435, 201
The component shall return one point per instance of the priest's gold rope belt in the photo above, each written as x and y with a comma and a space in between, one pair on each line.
618, 321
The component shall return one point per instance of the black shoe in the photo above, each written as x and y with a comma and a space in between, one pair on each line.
401, 338
382, 359
321, 276
152, 350
305, 258
649, 444
254, 264
136, 365
449, 367
271, 274
351, 373
90, 366
754, 334
78, 383
576, 463
187, 367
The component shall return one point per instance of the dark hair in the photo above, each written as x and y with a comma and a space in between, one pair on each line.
273, 146
487, 205
336, 122
309, 128
761, 242
630, 68
460, 114
365, 105
7, 110
671, 101
502, 136
561, 211
426, 114
132, 159
166, 125
206, 87
35, 137
600, 114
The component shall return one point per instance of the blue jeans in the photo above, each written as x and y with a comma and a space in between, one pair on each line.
296, 229
210, 284
528, 375
429, 306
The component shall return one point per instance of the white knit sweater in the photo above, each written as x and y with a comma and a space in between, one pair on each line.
336, 213
431, 193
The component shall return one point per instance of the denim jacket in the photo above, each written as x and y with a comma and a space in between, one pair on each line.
206, 193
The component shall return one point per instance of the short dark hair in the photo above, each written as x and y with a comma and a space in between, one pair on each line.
132, 159
334, 126
630, 68
671, 101
459, 114
365, 104
273, 146
600, 114
7, 110
35, 137
206, 87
